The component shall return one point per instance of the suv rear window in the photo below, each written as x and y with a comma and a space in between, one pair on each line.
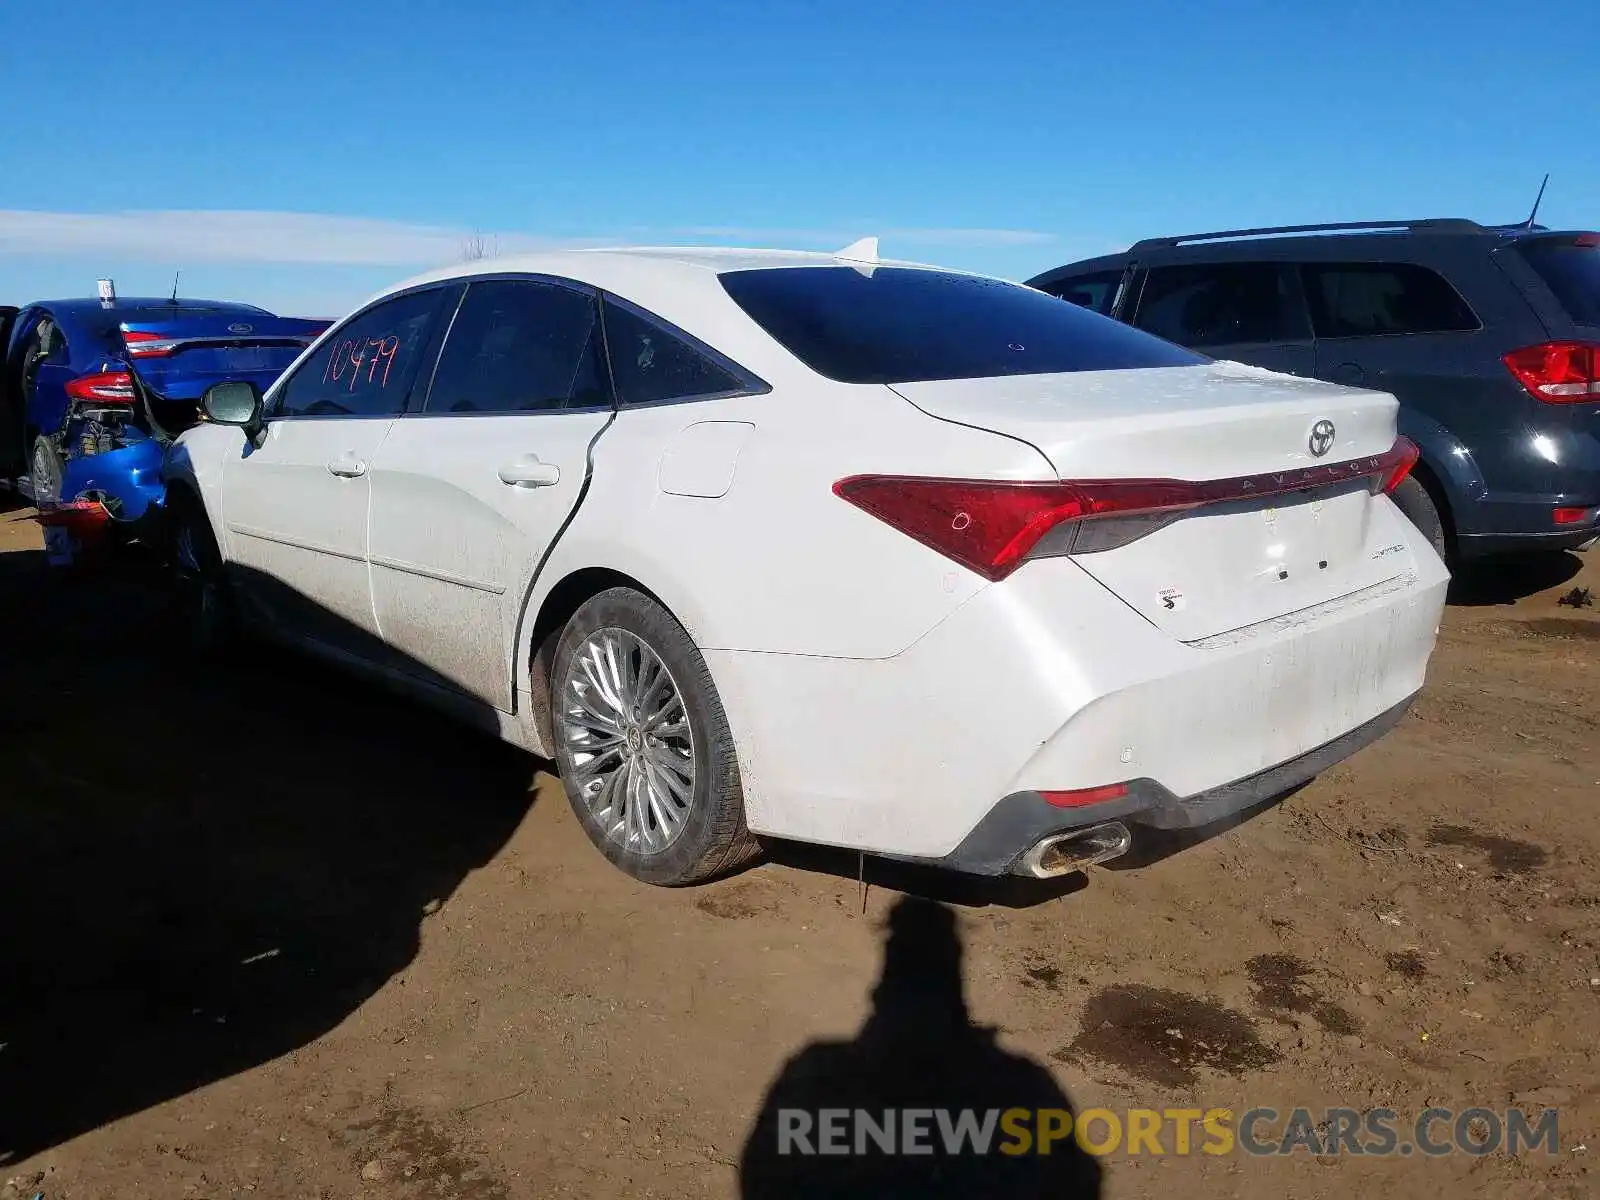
1376, 299
1571, 269
904, 325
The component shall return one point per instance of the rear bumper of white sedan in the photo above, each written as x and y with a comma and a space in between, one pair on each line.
983, 736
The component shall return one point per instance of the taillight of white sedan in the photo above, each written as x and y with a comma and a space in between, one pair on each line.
764, 544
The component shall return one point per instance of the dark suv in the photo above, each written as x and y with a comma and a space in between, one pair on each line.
1488, 335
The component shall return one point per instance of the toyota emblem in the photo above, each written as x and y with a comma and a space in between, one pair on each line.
1321, 439
241, 327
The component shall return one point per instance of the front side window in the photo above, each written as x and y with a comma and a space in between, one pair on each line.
1097, 291
904, 325
364, 369
519, 346
650, 364
1378, 299
1219, 304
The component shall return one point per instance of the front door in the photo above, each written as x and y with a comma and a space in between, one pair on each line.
295, 507
474, 485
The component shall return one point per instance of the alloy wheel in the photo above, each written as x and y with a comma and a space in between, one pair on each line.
627, 737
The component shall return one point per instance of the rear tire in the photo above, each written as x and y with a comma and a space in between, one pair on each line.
643, 744
1413, 498
38, 350
45, 471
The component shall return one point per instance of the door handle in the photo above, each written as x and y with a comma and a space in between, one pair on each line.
528, 471
347, 465
1349, 373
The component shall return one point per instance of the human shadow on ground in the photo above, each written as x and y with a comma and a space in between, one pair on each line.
202, 867
919, 1050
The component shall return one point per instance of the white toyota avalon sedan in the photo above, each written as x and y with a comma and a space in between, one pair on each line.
817, 547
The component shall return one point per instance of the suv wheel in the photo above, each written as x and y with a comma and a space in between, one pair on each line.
643, 744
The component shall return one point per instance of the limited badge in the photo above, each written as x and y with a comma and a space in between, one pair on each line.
1171, 599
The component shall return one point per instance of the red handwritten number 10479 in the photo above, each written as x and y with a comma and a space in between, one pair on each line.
353, 354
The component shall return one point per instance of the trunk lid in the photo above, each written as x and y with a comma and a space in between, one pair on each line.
1223, 567
180, 355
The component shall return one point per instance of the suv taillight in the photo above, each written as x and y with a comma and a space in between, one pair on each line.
1558, 372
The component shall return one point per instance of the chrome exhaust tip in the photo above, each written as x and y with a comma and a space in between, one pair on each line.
1063, 853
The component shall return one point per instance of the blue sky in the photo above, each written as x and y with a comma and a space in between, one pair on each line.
303, 154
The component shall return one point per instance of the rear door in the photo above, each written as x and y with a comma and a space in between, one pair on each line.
295, 508
1250, 312
472, 488
1403, 327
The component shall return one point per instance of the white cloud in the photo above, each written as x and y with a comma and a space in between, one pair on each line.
243, 237
233, 236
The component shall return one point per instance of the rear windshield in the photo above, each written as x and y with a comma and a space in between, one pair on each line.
903, 325
1571, 269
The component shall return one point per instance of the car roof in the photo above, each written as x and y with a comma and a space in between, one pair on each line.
679, 284
1315, 242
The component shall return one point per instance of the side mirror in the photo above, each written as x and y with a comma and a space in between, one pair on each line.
233, 403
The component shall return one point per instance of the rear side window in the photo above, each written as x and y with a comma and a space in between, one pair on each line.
1097, 291
1378, 299
1220, 304
1571, 269
903, 325
650, 364
364, 369
519, 346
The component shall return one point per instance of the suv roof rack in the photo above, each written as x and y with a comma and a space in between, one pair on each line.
1427, 225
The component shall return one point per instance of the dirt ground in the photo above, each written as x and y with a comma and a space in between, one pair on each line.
269, 931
